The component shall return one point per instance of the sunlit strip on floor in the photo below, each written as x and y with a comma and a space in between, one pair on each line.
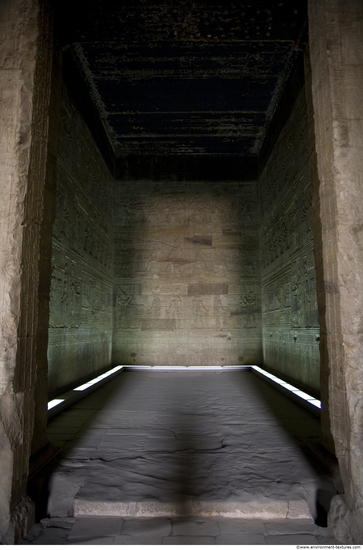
54, 403
289, 387
185, 368
301, 394
171, 368
72, 396
95, 380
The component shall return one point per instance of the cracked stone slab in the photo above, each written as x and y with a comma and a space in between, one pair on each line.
62, 523
231, 526
153, 527
138, 540
51, 536
240, 539
95, 527
291, 539
240, 461
96, 541
283, 527
195, 526
185, 540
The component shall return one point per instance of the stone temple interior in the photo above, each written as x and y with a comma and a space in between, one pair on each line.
182, 186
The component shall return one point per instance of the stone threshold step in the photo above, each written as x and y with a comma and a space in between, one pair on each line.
264, 508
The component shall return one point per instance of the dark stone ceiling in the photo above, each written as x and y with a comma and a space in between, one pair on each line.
160, 80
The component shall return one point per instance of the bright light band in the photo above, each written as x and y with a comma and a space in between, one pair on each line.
289, 387
54, 403
98, 379
303, 395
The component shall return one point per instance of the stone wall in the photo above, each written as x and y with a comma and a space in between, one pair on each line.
336, 52
80, 331
288, 283
187, 278
25, 97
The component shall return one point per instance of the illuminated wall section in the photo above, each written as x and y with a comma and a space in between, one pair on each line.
289, 303
187, 274
80, 325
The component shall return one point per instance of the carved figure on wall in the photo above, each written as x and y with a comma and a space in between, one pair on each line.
201, 212
200, 312
126, 267
174, 310
57, 288
218, 311
151, 209
221, 258
76, 299
266, 302
98, 302
204, 258
65, 294
86, 295
249, 299
175, 210
287, 295
275, 303
248, 303
250, 320
88, 238
141, 261
126, 210
296, 309
155, 308
127, 312
249, 267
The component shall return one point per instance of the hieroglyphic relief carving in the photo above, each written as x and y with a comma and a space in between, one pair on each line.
82, 264
200, 313
174, 308
128, 310
155, 308
219, 311
289, 305
190, 253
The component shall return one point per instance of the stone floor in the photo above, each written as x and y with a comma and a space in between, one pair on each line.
185, 458
180, 530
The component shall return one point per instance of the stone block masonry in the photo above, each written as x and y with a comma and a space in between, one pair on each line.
336, 54
80, 331
26, 57
288, 282
187, 274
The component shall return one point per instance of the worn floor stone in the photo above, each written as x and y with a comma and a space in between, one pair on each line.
188, 540
243, 527
51, 536
262, 452
291, 539
151, 527
281, 527
96, 527
240, 539
195, 526
187, 444
62, 523
192, 530
97, 541
149, 538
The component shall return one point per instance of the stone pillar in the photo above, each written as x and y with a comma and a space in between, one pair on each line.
326, 435
336, 52
25, 76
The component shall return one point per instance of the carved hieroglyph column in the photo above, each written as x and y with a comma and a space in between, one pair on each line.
25, 77
336, 53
